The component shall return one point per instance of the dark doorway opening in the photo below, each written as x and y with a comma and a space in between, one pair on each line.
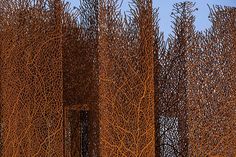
84, 133
77, 130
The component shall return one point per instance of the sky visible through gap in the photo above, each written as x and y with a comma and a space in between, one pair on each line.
165, 9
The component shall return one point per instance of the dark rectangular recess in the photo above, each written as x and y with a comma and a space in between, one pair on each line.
84, 133
79, 133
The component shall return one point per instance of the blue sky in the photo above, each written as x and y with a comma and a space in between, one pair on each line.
165, 8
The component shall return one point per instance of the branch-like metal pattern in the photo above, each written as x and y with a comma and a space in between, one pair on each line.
31, 79
126, 85
93, 82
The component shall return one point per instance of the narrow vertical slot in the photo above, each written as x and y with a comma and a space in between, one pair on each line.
84, 133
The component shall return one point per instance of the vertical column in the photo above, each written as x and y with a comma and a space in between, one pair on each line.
126, 85
31, 83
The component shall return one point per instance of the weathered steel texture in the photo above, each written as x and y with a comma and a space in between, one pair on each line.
126, 85
212, 102
31, 80
81, 82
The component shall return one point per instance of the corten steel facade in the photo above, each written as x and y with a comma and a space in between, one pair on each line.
126, 83
31, 81
171, 83
81, 98
91, 82
212, 120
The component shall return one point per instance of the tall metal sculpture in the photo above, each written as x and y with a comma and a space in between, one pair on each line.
212, 89
80, 82
126, 85
31, 79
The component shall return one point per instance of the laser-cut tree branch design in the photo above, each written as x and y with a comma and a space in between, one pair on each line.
212, 96
31, 78
67, 73
126, 86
